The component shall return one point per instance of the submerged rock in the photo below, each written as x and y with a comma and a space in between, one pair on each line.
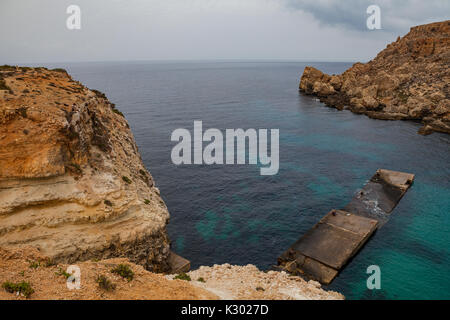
72, 182
409, 80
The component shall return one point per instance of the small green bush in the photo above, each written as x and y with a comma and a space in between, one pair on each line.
201, 280
3, 85
21, 287
183, 276
126, 179
74, 167
50, 263
402, 96
115, 110
105, 283
61, 272
146, 201
99, 94
59, 70
118, 112
124, 271
22, 111
34, 264
6, 67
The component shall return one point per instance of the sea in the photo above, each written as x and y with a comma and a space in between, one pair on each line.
233, 214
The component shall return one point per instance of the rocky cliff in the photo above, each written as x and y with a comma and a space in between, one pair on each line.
409, 80
72, 182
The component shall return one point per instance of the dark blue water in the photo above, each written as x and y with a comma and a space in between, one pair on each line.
232, 214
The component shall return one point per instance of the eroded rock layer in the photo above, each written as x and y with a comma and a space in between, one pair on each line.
409, 80
72, 182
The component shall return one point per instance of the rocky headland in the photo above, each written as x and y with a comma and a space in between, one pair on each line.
74, 190
409, 80
72, 182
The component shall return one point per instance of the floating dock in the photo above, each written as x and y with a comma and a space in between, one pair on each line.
327, 247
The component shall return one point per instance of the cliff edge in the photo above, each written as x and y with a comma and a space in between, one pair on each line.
409, 80
72, 182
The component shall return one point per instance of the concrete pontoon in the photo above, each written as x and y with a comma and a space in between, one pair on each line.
178, 264
328, 246
381, 195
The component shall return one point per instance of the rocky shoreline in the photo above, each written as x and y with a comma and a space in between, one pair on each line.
409, 80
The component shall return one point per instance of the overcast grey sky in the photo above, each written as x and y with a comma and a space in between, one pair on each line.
33, 31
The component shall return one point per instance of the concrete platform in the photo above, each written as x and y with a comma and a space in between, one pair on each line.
328, 246
178, 264
380, 195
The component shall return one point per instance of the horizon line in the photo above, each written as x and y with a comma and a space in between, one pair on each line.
218, 60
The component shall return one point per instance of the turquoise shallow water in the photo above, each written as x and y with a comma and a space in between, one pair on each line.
232, 214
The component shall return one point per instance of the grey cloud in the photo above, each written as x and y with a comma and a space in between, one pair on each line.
396, 15
35, 31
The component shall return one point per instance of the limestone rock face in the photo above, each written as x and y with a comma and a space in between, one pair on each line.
232, 282
72, 182
409, 80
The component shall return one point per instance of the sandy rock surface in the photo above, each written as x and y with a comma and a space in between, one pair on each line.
49, 284
248, 283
